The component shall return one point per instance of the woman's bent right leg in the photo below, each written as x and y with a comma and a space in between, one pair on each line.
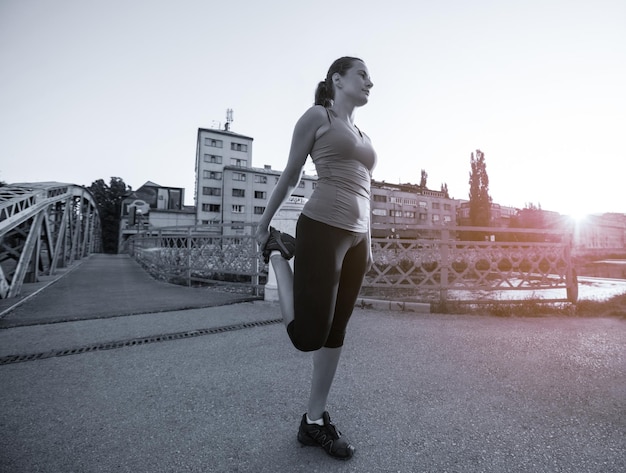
284, 281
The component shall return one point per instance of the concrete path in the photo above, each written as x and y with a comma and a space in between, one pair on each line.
220, 389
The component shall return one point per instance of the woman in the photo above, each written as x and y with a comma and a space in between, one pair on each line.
333, 250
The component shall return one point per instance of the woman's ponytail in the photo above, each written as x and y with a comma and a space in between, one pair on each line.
323, 96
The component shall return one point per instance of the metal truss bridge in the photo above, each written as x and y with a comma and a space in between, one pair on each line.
44, 226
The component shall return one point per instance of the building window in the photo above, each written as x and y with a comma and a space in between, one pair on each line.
260, 179
239, 176
301, 185
409, 201
213, 143
435, 217
239, 192
395, 200
212, 158
423, 204
210, 208
423, 217
238, 209
242, 163
436, 206
447, 218
238, 147
259, 210
379, 212
447, 207
409, 214
313, 185
211, 191
213, 175
236, 225
260, 195
395, 213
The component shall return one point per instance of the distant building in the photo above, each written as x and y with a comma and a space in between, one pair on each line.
597, 233
154, 206
398, 208
501, 216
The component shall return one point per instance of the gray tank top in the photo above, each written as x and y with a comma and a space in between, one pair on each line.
344, 159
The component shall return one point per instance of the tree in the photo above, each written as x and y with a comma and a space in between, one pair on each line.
423, 179
109, 200
479, 199
531, 216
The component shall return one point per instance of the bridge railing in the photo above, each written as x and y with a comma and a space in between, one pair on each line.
475, 265
218, 255
455, 264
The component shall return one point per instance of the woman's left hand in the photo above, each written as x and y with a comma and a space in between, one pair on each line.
261, 235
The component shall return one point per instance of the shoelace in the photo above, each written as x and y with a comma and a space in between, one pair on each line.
330, 429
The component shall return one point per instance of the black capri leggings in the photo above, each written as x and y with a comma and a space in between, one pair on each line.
329, 267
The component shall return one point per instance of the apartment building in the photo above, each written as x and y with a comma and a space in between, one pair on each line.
399, 209
229, 189
500, 215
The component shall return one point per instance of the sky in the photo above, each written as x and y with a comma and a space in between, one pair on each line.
118, 88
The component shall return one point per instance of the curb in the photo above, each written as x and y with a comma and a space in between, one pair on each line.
399, 306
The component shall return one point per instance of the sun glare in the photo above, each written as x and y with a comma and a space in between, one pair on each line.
578, 217
578, 210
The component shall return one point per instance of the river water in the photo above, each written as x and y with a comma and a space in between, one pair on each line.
608, 268
600, 289
599, 281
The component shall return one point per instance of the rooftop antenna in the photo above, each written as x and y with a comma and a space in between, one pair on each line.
229, 118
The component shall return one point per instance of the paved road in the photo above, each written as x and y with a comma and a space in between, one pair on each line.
174, 392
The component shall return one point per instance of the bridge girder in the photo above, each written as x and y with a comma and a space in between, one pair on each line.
44, 226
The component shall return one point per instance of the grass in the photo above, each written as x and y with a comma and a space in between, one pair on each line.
614, 307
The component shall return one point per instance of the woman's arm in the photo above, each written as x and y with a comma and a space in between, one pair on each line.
302, 140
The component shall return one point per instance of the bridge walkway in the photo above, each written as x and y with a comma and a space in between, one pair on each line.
105, 286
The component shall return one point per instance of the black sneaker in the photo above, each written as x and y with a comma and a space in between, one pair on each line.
326, 436
279, 241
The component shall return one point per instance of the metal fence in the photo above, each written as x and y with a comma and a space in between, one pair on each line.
487, 265
202, 256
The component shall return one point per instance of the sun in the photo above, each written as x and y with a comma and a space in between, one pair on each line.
576, 207
578, 216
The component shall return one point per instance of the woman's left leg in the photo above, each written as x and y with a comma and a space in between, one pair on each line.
325, 361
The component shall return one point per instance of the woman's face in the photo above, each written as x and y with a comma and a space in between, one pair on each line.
355, 83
